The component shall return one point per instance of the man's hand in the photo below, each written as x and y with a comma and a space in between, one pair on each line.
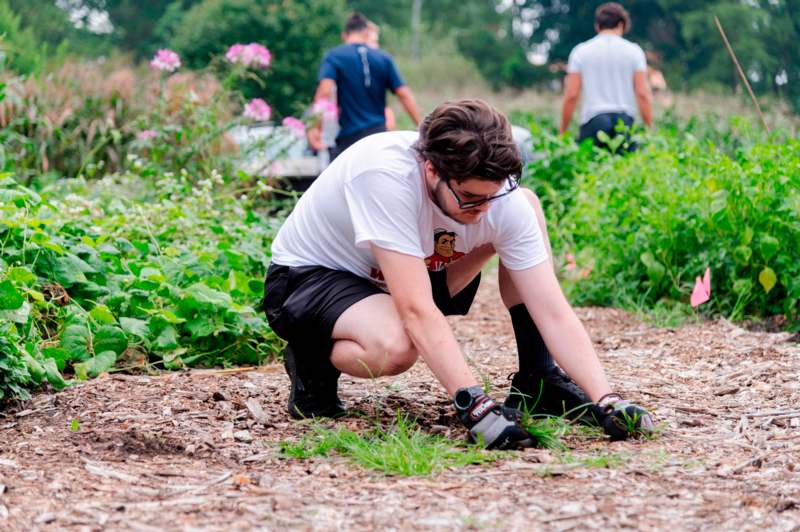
314, 137
623, 418
497, 427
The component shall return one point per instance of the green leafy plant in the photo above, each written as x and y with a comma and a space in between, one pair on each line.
89, 281
643, 226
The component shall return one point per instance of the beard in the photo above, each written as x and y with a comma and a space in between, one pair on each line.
462, 216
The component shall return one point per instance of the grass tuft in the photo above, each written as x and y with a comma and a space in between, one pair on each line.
402, 449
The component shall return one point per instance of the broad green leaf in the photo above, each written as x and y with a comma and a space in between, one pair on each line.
742, 254
110, 338
768, 279
748, 235
203, 294
75, 340
256, 286
152, 274
35, 369
135, 327
59, 355
19, 315
203, 325
69, 270
768, 245
53, 375
10, 299
102, 314
22, 275
168, 338
171, 317
95, 365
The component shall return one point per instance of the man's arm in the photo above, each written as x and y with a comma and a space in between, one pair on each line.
572, 92
425, 324
314, 131
324, 89
406, 98
561, 329
644, 98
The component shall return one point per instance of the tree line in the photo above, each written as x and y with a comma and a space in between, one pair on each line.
513, 43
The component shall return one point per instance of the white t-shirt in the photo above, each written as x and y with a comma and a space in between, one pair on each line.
374, 192
606, 64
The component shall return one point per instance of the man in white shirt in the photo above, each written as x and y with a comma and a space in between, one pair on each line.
609, 74
361, 277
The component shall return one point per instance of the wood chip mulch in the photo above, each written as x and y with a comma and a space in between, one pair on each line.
197, 450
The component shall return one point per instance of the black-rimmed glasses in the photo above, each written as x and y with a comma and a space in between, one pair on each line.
512, 185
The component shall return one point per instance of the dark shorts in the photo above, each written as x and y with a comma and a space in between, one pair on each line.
302, 304
606, 122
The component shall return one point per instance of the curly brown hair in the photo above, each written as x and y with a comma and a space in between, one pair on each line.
469, 139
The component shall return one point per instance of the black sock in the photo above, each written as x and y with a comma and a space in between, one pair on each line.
533, 354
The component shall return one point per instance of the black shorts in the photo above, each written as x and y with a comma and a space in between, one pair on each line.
302, 304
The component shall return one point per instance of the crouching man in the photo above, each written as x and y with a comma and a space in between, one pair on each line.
361, 281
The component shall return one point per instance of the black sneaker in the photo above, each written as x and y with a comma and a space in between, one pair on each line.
314, 391
551, 393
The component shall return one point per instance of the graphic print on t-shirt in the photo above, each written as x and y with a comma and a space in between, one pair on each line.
444, 250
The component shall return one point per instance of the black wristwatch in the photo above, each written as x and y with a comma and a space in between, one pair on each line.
465, 398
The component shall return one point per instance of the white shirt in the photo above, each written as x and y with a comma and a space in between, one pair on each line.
606, 64
374, 192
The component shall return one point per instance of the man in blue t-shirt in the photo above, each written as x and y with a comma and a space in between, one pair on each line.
361, 76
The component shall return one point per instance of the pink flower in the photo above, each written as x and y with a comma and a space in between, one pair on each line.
166, 61
249, 55
258, 110
147, 134
702, 289
571, 264
296, 126
326, 108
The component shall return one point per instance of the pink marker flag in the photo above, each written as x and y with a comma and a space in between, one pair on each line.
702, 289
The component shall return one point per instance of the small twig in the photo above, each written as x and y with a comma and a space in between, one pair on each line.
746, 463
565, 517
782, 413
228, 371
741, 72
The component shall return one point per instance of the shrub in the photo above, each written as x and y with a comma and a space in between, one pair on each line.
641, 227
296, 31
90, 279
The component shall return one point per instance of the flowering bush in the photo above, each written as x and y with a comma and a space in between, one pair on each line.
295, 125
147, 135
166, 61
251, 55
258, 110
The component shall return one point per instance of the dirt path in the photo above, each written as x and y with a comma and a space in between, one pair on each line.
184, 451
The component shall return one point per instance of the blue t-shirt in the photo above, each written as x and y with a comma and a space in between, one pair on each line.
362, 76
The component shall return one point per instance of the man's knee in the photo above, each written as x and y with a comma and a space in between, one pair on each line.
397, 353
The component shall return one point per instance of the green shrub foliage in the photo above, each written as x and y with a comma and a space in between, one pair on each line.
90, 280
641, 227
